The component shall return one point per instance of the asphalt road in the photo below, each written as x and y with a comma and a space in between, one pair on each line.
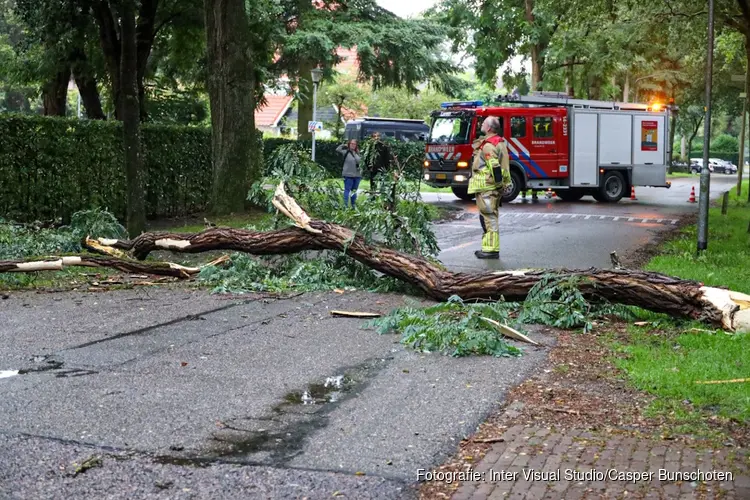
551, 233
186, 395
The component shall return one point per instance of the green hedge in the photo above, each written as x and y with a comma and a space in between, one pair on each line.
53, 167
733, 157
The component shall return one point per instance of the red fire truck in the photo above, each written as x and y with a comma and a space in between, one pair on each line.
574, 147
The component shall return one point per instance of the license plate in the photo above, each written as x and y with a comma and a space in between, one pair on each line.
441, 176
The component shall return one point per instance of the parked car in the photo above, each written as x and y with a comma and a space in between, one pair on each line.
729, 167
395, 128
696, 165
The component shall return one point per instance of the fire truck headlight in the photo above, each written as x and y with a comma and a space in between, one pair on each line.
463, 164
426, 163
427, 177
460, 178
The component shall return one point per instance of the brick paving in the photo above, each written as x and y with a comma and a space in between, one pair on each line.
575, 463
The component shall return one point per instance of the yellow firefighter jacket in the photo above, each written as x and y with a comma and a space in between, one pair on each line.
490, 152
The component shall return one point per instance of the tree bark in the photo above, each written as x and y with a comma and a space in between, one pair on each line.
130, 113
231, 83
652, 291
55, 93
626, 88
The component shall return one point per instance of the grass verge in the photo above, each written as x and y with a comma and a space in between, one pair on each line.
669, 363
725, 261
667, 360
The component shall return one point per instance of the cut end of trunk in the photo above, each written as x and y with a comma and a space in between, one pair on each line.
734, 308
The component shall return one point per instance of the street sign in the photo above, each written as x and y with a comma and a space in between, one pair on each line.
738, 78
314, 126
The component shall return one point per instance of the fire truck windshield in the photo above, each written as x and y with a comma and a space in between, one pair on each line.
450, 130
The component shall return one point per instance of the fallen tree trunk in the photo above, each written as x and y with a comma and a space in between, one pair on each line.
653, 291
124, 265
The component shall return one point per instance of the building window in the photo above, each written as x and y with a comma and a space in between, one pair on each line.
518, 126
543, 127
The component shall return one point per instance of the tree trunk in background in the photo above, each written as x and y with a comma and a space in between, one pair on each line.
570, 78
55, 93
231, 84
145, 32
595, 91
626, 89
536, 50
87, 86
110, 42
129, 111
692, 136
683, 147
305, 103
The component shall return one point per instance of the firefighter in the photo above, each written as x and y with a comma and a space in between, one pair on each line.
490, 176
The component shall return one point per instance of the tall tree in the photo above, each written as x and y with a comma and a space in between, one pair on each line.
390, 51
496, 31
231, 87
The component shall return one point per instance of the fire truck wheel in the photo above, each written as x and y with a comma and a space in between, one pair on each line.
462, 192
613, 187
515, 189
569, 194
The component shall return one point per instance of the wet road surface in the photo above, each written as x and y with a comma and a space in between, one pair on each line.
551, 233
186, 395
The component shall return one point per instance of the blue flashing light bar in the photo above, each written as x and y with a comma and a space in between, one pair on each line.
462, 104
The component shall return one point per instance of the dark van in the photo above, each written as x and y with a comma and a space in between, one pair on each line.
395, 128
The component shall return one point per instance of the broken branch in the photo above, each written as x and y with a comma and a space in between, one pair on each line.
734, 381
124, 265
354, 314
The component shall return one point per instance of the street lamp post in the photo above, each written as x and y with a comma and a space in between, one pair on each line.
705, 174
317, 75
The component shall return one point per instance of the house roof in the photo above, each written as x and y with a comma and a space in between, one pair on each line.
274, 109
277, 105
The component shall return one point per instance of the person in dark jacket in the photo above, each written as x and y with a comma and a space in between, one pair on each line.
381, 160
350, 171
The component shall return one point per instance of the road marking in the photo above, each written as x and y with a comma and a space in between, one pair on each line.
458, 247
571, 216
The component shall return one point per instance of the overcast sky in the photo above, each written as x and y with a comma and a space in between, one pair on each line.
406, 8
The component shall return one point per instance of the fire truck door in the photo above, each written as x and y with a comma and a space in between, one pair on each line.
544, 150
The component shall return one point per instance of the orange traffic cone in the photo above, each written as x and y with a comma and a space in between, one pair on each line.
692, 196
632, 193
